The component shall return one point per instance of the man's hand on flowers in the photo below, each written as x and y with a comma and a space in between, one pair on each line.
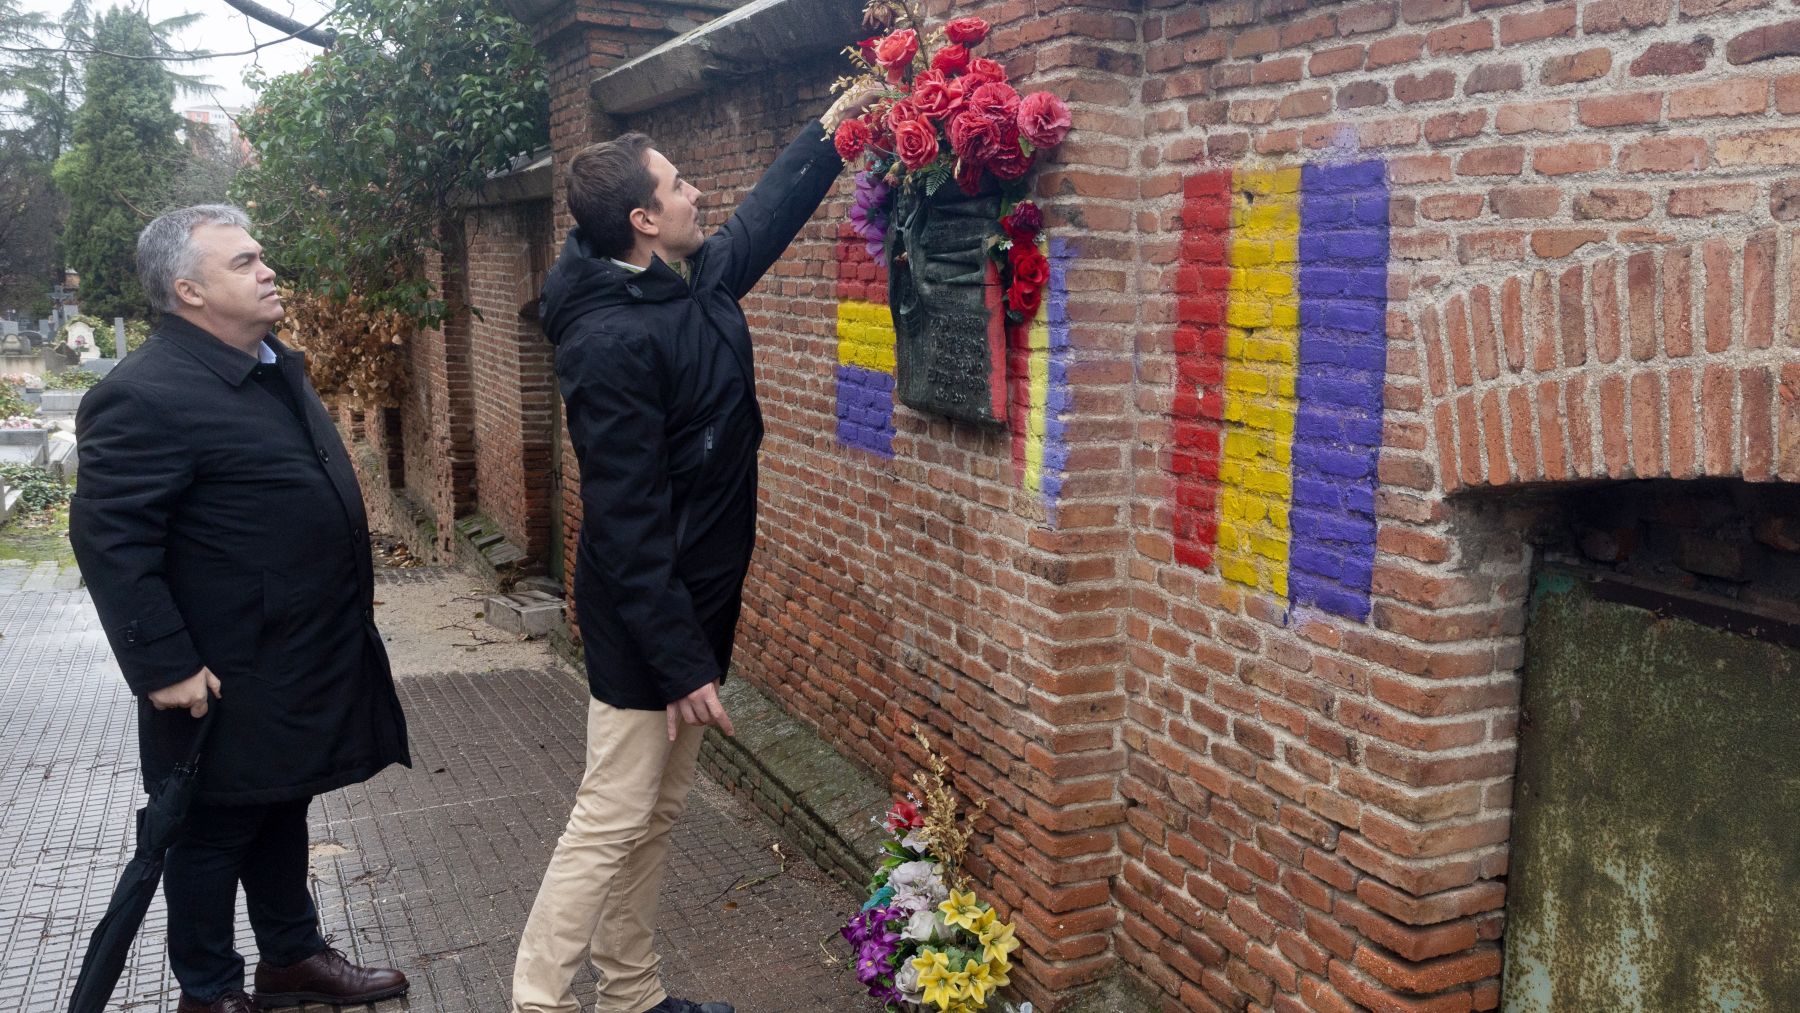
853, 102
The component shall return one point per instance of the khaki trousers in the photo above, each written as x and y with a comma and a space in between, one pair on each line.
598, 900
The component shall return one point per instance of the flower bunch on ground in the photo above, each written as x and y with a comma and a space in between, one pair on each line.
923, 940
947, 114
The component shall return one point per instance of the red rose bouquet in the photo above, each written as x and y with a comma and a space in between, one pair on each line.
949, 117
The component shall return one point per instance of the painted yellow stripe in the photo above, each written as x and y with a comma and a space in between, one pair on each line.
865, 336
1262, 347
1038, 341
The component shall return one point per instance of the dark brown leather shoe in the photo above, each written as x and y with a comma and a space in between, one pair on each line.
234, 1001
328, 978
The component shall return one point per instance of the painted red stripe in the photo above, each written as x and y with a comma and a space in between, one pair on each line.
1202, 286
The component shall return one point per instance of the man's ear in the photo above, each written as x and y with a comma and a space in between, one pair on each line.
644, 222
188, 291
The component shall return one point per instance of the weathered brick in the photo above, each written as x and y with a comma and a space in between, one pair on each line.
1565, 159
1765, 43
1550, 117
1739, 97
1499, 160
1614, 204
1624, 15
1667, 59
1532, 26
1621, 110
1575, 68
1712, 199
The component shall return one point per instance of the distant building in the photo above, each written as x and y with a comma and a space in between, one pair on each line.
222, 121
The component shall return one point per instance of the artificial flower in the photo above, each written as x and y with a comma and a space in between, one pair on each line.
936, 96
996, 100
998, 942
966, 31
1009, 161
950, 60
962, 909
979, 981
916, 143
904, 813
938, 984
1029, 264
897, 49
852, 137
1043, 119
984, 69
1024, 222
973, 136
926, 926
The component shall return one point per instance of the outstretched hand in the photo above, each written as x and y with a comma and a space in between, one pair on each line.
853, 102
190, 694
701, 707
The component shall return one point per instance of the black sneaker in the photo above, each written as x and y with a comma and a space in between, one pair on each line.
674, 1005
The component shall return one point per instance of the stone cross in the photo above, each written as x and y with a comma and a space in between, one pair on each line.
118, 337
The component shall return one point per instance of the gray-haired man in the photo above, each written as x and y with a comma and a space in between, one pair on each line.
221, 531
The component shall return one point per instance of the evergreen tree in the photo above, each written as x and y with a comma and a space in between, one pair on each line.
124, 147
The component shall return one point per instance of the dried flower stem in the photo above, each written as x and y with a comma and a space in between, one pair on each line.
946, 835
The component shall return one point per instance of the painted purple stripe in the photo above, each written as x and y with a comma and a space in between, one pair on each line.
1059, 399
865, 409
1343, 365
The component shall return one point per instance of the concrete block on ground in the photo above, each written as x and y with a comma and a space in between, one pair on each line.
530, 612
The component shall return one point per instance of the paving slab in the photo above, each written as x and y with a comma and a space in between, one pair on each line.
430, 869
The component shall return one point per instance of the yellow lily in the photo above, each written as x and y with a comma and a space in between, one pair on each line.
937, 983
998, 941
980, 981
962, 909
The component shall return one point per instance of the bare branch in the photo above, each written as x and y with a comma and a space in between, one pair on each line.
321, 37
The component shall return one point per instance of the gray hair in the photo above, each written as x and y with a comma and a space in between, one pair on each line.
165, 249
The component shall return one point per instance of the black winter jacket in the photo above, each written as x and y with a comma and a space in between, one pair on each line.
216, 528
657, 378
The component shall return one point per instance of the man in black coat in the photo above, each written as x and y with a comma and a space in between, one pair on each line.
653, 357
219, 526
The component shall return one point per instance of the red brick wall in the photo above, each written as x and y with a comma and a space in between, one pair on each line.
513, 375
1580, 193
1256, 753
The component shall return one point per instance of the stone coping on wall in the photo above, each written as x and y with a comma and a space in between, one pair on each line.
822, 803
756, 37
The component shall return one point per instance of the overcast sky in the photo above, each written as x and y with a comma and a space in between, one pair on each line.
222, 30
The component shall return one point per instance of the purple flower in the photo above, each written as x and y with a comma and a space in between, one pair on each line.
868, 213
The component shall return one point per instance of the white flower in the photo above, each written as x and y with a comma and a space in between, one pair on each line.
914, 842
907, 981
924, 926
918, 886
912, 875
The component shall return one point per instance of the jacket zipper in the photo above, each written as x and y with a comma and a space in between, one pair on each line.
706, 448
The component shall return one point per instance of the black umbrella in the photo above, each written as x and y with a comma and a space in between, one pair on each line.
159, 822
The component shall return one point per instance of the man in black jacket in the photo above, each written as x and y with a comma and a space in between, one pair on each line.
653, 357
220, 529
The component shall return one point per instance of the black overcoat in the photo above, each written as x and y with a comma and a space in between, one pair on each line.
215, 527
656, 374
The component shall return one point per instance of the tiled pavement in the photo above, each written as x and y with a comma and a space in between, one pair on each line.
430, 869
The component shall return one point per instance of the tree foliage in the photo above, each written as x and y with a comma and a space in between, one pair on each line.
124, 146
360, 154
